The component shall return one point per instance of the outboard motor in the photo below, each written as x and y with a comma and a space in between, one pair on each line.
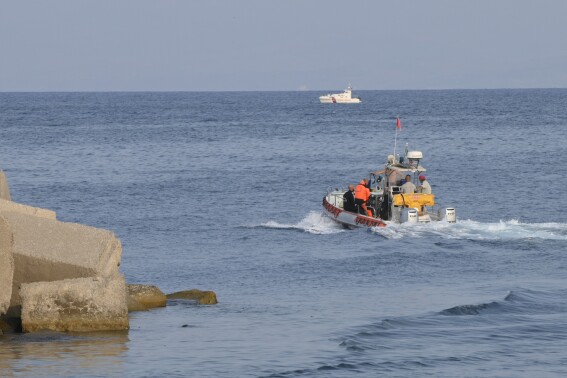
409, 215
451, 215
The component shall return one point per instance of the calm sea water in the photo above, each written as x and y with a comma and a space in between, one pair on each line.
222, 191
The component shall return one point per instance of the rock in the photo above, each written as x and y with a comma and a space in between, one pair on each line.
10, 325
75, 305
49, 250
147, 295
202, 297
6, 264
4, 188
134, 305
6, 205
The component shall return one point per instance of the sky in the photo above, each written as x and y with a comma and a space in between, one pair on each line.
247, 45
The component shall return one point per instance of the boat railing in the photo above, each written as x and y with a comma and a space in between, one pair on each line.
335, 197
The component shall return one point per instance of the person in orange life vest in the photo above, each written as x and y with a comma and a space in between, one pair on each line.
361, 196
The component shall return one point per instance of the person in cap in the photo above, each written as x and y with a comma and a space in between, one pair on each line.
408, 187
424, 186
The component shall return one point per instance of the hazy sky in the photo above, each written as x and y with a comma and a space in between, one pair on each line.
138, 45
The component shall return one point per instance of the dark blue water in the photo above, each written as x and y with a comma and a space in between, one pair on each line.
222, 191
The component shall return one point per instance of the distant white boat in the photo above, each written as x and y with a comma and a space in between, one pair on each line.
340, 98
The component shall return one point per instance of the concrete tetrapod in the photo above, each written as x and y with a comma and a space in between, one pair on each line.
75, 305
6, 205
49, 250
6, 264
4, 188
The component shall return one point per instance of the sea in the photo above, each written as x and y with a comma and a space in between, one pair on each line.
222, 191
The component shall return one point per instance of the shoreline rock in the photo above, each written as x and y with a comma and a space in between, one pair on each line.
202, 297
75, 305
6, 264
147, 296
65, 277
6, 205
4, 188
48, 250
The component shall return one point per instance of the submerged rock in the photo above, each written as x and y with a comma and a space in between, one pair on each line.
75, 305
148, 296
202, 297
134, 305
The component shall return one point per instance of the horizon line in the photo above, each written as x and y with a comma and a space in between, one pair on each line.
272, 90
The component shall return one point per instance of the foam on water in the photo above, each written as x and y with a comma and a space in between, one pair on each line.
472, 230
313, 223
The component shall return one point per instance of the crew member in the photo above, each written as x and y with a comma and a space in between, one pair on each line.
361, 196
424, 186
348, 200
408, 187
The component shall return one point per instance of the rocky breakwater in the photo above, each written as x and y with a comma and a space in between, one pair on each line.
56, 275
62, 276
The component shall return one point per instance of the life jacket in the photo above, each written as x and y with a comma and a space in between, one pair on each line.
362, 192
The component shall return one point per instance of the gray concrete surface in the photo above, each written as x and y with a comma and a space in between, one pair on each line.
4, 187
50, 250
6, 205
6, 264
75, 305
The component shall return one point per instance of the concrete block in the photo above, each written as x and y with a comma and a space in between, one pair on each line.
6, 205
6, 264
4, 188
75, 305
49, 250
148, 295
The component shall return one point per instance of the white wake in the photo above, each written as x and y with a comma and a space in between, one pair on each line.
314, 223
472, 230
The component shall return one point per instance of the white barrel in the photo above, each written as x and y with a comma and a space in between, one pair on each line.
410, 216
451, 215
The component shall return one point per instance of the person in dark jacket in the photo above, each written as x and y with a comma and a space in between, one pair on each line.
348, 200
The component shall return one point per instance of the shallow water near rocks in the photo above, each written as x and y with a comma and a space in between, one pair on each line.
222, 191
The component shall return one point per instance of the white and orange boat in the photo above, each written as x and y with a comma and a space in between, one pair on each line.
387, 202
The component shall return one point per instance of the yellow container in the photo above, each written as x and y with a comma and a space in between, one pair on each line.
416, 200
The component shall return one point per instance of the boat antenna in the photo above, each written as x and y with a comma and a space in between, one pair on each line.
398, 126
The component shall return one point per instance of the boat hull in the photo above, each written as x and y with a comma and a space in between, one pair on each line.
349, 219
338, 100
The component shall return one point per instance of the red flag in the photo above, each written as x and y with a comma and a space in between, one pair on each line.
399, 123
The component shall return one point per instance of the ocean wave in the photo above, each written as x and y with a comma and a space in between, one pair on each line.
523, 307
520, 301
471, 309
